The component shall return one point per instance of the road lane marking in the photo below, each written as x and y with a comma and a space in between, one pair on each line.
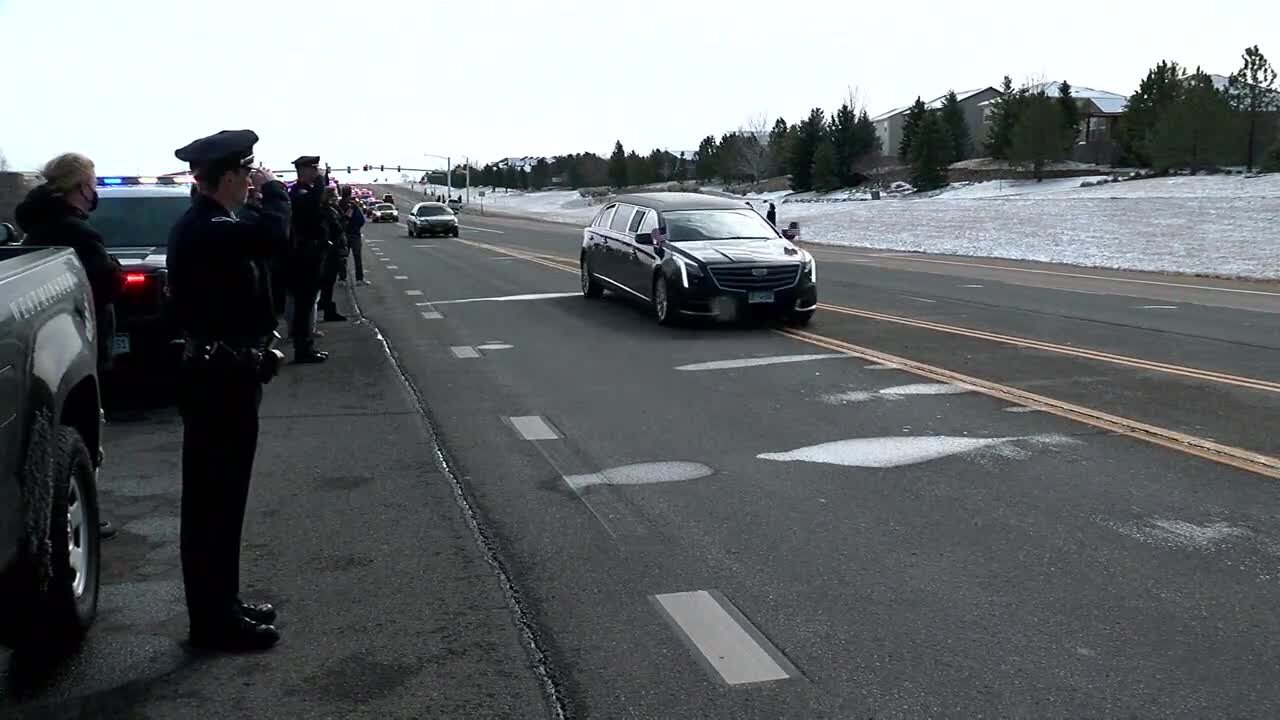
464, 352
1157, 307
533, 427
913, 297
431, 315
507, 298
1196, 373
1189, 444
973, 286
1208, 375
724, 638
424, 246
755, 362
393, 267
468, 227
495, 346
1086, 276
412, 292
400, 277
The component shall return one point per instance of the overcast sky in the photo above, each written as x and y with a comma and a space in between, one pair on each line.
128, 81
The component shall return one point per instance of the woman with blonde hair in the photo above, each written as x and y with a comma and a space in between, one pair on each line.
56, 213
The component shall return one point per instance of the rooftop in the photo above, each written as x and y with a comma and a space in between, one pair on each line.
933, 104
681, 201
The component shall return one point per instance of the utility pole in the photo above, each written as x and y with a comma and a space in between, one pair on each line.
467, 161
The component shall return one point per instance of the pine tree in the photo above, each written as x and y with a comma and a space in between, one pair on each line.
618, 166
1070, 115
911, 128
929, 148
708, 163
1146, 106
1271, 161
1039, 136
957, 129
659, 166
729, 157
804, 144
844, 123
1195, 131
825, 172
1252, 92
867, 145
541, 173
1004, 116
778, 139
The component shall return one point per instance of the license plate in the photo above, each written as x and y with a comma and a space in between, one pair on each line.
761, 296
120, 344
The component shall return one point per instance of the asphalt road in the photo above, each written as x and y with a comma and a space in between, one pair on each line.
499, 499
697, 532
389, 607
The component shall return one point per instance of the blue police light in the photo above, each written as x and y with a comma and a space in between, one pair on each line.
111, 181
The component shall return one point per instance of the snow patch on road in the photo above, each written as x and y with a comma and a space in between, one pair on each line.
1181, 534
889, 452
642, 474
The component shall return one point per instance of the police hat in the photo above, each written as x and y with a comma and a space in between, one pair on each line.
307, 161
221, 151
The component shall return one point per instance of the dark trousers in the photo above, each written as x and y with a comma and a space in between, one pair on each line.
307, 269
329, 278
219, 439
356, 243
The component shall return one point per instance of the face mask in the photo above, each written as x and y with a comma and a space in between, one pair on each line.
93, 200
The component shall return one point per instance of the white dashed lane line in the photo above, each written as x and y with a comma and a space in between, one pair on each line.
508, 298
468, 227
464, 352
424, 246
431, 315
413, 292
1157, 307
533, 427
399, 277
724, 639
393, 267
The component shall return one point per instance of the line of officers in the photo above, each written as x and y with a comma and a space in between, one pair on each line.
243, 231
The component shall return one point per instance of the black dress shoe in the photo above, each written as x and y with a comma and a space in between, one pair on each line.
261, 613
238, 634
310, 358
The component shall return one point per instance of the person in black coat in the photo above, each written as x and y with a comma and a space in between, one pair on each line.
56, 214
221, 297
772, 214
310, 248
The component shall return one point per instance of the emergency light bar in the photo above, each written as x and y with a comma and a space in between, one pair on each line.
123, 181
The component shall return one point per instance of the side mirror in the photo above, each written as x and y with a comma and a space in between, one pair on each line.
644, 238
8, 236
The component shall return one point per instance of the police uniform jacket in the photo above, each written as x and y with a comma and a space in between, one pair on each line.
218, 287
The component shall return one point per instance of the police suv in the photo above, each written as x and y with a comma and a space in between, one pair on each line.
134, 216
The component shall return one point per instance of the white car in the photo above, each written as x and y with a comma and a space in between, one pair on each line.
385, 212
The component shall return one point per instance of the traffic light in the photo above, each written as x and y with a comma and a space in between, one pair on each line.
382, 168
366, 168
348, 169
397, 168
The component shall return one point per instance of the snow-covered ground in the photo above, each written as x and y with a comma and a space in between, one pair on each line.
1215, 225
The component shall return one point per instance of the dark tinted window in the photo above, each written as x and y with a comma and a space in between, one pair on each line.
635, 221
432, 211
716, 225
621, 218
602, 220
138, 221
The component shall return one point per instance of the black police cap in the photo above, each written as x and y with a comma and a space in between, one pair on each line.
226, 149
307, 161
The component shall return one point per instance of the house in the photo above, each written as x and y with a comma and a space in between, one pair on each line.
889, 125
1100, 113
520, 163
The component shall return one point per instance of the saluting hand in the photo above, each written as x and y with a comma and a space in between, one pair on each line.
261, 176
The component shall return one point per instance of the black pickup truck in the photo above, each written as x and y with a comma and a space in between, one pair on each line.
50, 448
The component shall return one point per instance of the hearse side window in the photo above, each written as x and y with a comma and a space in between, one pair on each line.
621, 218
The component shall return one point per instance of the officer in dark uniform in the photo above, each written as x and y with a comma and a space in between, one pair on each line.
310, 248
222, 302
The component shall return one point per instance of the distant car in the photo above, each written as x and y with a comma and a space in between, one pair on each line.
134, 216
385, 212
692, 255
431, 218
455, 204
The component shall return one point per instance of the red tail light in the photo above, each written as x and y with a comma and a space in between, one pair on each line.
135, 278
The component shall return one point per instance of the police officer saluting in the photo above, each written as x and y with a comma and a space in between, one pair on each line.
222, 302
311, 246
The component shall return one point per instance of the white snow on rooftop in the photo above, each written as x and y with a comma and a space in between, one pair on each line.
934, 104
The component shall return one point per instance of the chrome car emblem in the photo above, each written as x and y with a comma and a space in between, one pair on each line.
759, 272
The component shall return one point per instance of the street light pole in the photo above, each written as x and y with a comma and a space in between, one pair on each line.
448, 179
467, 163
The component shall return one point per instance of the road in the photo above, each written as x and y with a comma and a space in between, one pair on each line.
702, 537
971, 488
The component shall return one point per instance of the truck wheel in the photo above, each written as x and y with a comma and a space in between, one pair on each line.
55, 614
